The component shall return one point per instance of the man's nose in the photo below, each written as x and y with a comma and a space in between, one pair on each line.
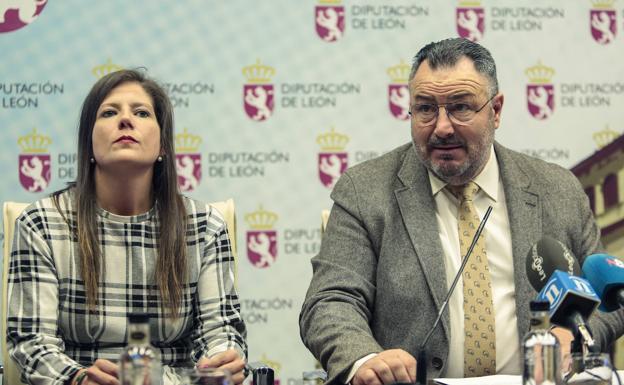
443, 126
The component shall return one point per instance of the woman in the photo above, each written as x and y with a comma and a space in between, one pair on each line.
121, 239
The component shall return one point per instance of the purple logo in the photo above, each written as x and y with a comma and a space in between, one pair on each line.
262, 247
602, 23
471, 23
329, 22
541, 100
34, 171
398, 101
15, 14
258, 100
331, 166
188, 167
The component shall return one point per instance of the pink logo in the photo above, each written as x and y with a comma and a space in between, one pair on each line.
15, 14
258, 101
602, 23
471, 23
262, 247
329, 22
34, 171
541, 100
188, 167
398, 101
615, 262
331, 166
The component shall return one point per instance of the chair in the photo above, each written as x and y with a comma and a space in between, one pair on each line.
10, 212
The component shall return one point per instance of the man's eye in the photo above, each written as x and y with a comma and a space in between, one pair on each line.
425, 108
460, 107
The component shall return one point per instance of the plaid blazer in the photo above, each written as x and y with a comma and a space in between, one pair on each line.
50, 332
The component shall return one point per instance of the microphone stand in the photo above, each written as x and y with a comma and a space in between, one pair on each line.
421, 361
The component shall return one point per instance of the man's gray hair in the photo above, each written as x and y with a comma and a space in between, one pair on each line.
446, 53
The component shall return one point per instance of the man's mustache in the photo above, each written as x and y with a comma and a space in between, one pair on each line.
450, 141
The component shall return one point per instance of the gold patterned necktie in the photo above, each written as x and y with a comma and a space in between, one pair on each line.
479, 331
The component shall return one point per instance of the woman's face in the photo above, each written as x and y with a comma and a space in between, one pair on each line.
126, 133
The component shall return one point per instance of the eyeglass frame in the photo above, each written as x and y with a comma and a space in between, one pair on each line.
448, 114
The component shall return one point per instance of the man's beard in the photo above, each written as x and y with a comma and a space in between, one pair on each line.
477, 156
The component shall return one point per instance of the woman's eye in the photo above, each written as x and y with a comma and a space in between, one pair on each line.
107, 113
142, 114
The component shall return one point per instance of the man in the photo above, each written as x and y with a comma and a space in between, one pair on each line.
392, 245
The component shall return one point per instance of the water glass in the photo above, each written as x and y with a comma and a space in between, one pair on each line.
589, 369
204, 376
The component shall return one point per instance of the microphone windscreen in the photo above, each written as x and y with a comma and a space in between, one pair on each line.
606, 275
546, 256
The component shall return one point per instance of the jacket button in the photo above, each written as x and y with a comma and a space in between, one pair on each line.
437, 363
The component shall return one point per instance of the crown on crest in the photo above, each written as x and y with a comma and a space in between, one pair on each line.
539, 73
271, 364
105, 69
186, 142
604, 137
469, 3
330, 2
400, 72
258, 73
332, 141
603, 4
261, 219
34, 142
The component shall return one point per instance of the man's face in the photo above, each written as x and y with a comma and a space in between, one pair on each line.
455, 151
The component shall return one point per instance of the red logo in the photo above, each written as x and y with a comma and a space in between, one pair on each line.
34, 163
258, 93
15, 14
329, 22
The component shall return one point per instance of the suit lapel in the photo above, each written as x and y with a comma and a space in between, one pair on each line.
417, 209
523, 206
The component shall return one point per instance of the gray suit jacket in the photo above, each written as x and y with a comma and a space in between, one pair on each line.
379, 278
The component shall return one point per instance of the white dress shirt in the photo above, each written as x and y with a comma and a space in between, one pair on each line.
499, 253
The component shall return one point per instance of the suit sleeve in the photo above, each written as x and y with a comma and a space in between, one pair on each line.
335, 317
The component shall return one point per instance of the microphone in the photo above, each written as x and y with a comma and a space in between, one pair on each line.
606, 275
572, 299
421, 360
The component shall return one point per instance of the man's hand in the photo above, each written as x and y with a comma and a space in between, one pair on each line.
103, 372
387, 367
565, 338
229, 360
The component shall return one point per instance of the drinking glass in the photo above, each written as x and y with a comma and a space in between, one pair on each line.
204, 376
589, 369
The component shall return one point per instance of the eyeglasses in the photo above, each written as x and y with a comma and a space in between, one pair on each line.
459, 113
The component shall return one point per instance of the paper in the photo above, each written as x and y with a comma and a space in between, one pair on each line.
499, 379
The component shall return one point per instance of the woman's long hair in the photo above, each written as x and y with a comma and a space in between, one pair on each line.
171, 265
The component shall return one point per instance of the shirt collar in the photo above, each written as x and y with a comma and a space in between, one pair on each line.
487, 180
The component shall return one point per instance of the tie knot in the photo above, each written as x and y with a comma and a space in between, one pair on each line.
465, 192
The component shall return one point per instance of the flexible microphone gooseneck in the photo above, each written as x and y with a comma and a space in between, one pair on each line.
421, 361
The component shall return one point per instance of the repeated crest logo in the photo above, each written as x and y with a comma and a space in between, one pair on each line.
398, 93
34, 161
262, 238
540, 91
470, 20
16, 14
603, 21
604, 137
188, 160
332, 160
104, 69
258, 92
329, 20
